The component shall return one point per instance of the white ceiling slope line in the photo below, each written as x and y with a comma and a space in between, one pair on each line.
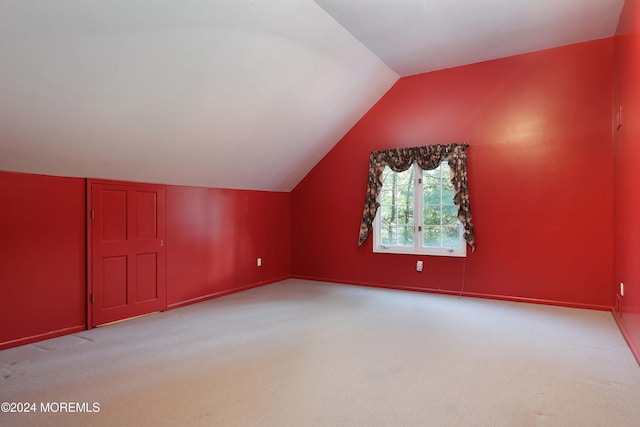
234, 94
416, 36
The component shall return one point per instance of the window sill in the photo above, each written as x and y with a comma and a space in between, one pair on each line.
407, 250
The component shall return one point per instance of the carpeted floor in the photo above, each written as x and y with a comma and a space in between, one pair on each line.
301, 353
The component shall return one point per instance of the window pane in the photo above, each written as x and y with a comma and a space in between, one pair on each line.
445, 170
447, 193
385, 196
397, 187
386, 173
451, 236
405, 215
447, 187
397, 210
405, 237
431, 181
431, 237
388, 238
432, 215
450, 215
388, 225
386, 212
388, 231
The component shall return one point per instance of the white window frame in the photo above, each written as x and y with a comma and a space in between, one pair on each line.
417, 249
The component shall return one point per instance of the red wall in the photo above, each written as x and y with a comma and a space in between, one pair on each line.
540, 177
215, 236
213, 239
627, 171
42, 257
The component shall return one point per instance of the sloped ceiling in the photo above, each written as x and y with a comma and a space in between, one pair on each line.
235, 93
416, 36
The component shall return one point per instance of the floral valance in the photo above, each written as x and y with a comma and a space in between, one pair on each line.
427, 157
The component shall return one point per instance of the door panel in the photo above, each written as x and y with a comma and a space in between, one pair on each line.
147, 280
114, 205
128, 254
147, 206
114, 281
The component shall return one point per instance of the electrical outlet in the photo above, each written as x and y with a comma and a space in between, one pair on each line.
419, 266
621, 289
619, 118
259, 262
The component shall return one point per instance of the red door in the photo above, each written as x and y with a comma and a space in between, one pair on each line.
127, 251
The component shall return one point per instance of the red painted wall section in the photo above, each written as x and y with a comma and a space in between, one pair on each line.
540, 176
42, 257
214, 237
627, 172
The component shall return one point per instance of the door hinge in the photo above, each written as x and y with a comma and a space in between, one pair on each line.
419, 180
93, 214
93, 298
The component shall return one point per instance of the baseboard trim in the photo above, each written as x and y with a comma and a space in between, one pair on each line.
223, 293
627, 337
462, 294
41, 337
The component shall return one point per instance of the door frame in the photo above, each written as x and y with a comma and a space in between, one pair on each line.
89, 190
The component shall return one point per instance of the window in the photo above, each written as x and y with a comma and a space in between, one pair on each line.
437, 237
417, 214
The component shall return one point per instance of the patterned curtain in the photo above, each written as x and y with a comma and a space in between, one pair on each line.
427, 157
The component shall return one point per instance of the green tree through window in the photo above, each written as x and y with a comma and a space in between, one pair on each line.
397, 207
417, 213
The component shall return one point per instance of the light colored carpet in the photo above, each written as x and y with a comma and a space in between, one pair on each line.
301, 353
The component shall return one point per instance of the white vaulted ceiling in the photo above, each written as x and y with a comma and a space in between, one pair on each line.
415, 36
235, 93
